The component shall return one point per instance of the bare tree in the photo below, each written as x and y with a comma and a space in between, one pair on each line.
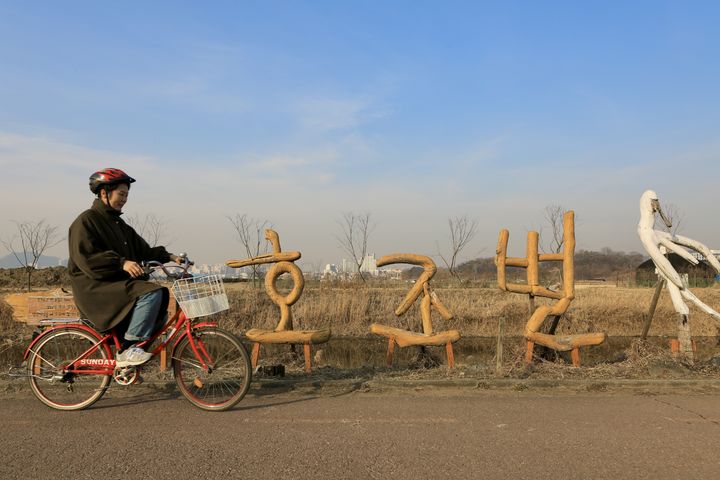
150, 227
672, 213
34, 239
251, 234
462, 231
554, 217
355, 230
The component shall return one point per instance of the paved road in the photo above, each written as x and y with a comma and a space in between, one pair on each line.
403, 434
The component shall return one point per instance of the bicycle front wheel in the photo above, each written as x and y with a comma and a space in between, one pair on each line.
50, 380
225, 379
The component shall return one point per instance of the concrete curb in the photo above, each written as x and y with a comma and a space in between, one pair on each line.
590, 384
268, 386
384, 385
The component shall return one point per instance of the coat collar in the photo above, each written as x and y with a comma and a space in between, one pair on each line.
100, 207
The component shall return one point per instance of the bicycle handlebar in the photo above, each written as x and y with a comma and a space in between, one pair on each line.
152, 266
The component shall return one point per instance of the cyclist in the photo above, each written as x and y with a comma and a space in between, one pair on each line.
109, 286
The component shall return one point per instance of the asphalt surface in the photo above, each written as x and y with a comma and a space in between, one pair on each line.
414, 432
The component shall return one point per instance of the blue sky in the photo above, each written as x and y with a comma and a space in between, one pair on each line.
414, 111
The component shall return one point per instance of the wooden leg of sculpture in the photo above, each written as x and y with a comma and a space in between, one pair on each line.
255, 354
391, 349
306, 351
675, 347
653, 306
575, 356
450, 355
529, 352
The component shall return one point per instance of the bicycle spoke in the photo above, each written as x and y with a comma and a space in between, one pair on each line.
227, 379
52, 383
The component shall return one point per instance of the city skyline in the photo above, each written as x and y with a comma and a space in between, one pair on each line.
297, 112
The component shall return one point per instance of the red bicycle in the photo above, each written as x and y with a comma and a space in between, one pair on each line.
70, 364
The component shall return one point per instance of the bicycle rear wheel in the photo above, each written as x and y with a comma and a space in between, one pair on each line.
227, 377
58, 388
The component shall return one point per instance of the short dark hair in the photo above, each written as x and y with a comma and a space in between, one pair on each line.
112, 187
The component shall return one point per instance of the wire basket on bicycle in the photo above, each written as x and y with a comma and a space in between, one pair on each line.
201, 295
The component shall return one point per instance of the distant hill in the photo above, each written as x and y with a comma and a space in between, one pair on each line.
589, 265
9, 261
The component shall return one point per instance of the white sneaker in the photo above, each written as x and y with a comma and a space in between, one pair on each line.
132, 356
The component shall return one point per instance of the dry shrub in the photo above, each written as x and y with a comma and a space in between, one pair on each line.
8, 325
349, 311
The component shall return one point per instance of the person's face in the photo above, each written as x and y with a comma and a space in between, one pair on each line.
118, 197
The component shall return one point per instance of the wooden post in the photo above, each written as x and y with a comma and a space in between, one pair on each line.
450, 355
306, 351
684, 339
163, 359
653, 305
255, 354
529, 352
391, 349
499, 347
575, 356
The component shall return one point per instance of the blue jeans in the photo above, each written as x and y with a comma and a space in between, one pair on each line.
144, 319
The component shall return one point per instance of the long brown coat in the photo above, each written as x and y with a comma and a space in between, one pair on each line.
100, 242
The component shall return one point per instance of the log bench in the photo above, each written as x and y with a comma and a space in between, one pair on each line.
406, 338
291, 337
562, 343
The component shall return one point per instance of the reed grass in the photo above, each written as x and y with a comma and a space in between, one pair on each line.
349, 311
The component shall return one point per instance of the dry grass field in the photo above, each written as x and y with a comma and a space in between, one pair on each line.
349, 310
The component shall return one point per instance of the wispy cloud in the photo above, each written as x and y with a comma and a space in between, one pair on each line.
329, 114
49, 155
291, 164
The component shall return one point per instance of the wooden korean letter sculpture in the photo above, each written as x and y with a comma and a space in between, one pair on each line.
428, 302
283, 333
533, 289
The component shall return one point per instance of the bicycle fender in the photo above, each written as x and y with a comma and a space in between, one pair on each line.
77, 326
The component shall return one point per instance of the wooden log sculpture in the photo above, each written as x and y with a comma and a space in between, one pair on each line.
533, 289
283, 333
653, 240
429, 301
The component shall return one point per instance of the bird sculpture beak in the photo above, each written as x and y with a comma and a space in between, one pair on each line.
656, 207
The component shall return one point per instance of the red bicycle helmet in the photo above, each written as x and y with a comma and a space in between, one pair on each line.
108, 176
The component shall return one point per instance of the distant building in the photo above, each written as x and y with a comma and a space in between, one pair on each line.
369, 265
700, 275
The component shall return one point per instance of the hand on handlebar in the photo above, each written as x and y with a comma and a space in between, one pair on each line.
133, 268
182, 263
182, 259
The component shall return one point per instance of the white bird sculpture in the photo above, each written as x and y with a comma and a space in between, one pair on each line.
653, 239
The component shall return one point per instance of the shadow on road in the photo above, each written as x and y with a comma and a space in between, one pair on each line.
304, 394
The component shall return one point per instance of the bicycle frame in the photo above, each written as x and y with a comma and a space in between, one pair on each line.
181, 327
